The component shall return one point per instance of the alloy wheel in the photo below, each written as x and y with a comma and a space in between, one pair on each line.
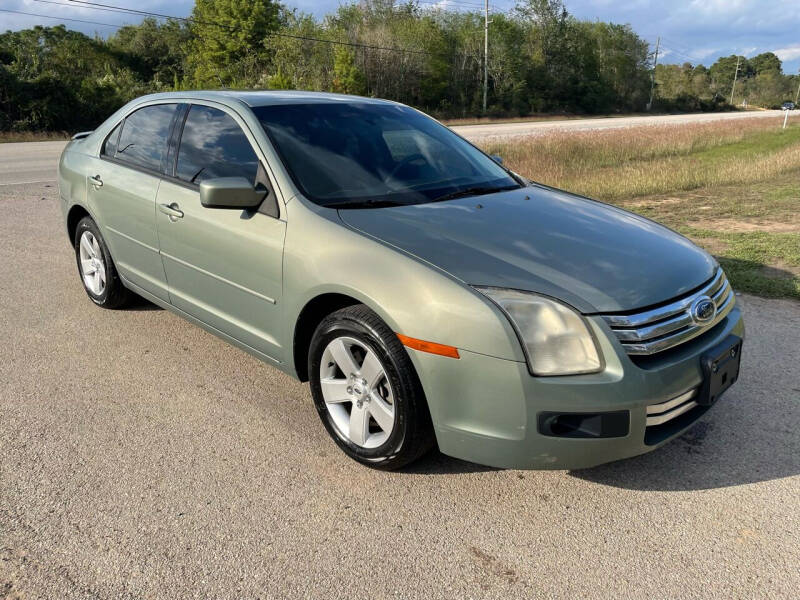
357, 392
93, 269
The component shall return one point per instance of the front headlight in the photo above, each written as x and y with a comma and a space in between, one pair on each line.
555, 338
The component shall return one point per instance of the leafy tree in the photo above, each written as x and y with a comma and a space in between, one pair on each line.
722, 73
59, 80
154, 50
347, 77
228, 38
766, 62
279, 81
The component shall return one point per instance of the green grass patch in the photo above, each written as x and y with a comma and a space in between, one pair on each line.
763, 142
753, 229
759, 262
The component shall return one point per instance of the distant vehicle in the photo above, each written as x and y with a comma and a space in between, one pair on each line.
787, 106
429, 294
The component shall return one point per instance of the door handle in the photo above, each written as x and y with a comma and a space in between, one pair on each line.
96, 181
171, 210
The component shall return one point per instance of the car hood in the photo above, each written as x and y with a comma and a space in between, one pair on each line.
596, 257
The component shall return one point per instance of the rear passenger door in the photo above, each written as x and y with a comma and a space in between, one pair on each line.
122, 188
224, 266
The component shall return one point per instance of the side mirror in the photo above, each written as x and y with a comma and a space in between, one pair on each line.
497, 158
231, 192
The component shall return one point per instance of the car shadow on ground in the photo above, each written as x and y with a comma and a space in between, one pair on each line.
137, 303
436, 463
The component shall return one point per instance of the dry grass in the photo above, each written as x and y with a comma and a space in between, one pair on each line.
32, 136
624, 163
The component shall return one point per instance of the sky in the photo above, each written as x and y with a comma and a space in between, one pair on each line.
696, 31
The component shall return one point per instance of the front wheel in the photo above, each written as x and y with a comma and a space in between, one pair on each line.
366, 390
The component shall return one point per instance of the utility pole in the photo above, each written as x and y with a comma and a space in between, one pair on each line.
797, 95
653, 76
485, 53
735, 76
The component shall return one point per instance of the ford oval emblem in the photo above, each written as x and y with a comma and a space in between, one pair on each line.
703, 310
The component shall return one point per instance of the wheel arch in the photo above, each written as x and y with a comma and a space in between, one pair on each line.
74, 216
312, 313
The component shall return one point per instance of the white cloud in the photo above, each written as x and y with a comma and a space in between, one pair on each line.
789, 53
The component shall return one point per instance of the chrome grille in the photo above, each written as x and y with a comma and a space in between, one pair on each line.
665, 327
658, 414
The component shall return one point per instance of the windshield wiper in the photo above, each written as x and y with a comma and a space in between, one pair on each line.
473, 191
366, 203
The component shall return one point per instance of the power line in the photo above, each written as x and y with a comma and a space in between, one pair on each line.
445, 3
19, 12
681, 48
133, 11
99, 6
678, 49
69, 5
120, 9
671, 50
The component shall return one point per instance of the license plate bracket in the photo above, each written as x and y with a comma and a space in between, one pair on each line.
720, 369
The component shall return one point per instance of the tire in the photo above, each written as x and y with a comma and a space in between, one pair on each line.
356, 414
94, 261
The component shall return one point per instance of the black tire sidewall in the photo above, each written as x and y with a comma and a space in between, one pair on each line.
404, 391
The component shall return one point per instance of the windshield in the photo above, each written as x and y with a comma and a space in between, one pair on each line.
364, 154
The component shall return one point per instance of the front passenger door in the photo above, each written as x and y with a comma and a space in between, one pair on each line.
223, 266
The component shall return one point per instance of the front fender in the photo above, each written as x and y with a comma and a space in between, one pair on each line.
322, 255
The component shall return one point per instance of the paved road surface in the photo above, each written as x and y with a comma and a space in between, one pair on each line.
141, 457
27, 162
501, 130
32, 162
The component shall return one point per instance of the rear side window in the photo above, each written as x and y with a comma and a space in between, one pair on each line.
213, 145
143, 141
110, 145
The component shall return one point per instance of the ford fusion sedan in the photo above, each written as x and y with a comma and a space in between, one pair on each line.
429, 295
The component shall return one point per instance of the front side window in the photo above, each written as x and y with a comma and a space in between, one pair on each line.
361, 153
213, 145
143, 140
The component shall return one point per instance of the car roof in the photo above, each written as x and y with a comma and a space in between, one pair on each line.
254, 98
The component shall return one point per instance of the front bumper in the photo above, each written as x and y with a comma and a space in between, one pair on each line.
486, 410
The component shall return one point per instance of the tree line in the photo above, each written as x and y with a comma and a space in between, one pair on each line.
541, 59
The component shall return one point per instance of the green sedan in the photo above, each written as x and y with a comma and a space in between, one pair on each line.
429, 295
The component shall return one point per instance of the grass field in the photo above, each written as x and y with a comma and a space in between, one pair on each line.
32, 136
732, 187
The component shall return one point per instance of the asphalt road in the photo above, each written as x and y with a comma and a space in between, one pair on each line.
141, 457
505, 130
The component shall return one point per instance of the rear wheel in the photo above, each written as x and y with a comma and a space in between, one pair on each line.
366, 390
98, 273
